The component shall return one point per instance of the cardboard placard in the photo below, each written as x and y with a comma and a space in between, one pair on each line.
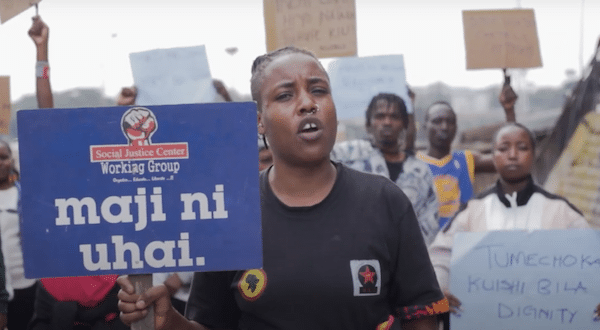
132, 190
526, 280
501, 39
172, 76
12, 8
5, 105
356, 80
576, 174
327, 28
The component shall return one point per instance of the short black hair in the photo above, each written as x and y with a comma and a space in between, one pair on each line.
261, 62
391, 99
435, 104
518, 125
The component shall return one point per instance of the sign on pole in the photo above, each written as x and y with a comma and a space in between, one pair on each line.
576, 174
5, 105
172, 76
12, 8
327, 28
501, 39
355, 80
138, 190
545, 279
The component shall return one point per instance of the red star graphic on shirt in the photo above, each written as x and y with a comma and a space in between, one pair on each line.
368, 275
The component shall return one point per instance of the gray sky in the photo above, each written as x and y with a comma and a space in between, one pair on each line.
90, 39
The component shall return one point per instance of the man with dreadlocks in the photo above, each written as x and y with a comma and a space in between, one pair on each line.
386, 119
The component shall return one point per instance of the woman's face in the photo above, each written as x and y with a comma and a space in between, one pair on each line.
293, 87
513, 154
6, 162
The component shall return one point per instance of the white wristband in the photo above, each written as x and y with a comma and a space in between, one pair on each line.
42, 69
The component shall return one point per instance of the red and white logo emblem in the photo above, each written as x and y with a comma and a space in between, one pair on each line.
366, 277
138, 125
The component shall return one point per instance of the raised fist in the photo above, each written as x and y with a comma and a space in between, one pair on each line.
138, 125
507, 97
39, 31
127, 96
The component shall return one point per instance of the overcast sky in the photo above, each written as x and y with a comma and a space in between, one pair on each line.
90, 40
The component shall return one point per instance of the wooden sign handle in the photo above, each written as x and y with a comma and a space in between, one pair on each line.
506, 77
141, 283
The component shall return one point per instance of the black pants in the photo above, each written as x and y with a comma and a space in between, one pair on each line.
446, 320
20, 308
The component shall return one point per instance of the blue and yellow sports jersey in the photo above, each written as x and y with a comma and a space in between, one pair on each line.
453, 177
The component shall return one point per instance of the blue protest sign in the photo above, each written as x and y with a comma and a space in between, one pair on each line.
133, 190
547, 279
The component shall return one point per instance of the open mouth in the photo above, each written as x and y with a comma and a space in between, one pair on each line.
443, 136
309, 128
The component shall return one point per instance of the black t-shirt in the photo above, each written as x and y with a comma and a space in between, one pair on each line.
348, 262
395, 169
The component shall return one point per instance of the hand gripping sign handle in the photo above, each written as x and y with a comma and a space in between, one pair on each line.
141, 283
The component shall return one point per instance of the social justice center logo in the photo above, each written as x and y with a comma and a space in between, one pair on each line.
139, 124
366, 277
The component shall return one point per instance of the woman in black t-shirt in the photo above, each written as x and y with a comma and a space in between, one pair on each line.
298, 118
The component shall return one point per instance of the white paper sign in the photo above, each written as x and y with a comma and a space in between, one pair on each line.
172, 76
354, 82
545, 279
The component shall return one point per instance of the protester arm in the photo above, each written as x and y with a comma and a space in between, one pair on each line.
440, 250
483, 162
507, 99
440, 253
127, 96
39, 33
221, 90
428, 215
414, 292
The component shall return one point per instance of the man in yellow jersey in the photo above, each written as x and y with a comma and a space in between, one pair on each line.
454, 171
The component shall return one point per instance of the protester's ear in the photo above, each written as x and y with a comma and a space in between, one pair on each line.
369, 129
261, 128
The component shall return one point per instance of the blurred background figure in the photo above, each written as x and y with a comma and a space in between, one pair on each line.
454, 171
514, 203
22, 290
81, 302
386, 120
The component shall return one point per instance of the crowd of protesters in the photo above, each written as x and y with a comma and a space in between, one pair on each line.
373, 212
